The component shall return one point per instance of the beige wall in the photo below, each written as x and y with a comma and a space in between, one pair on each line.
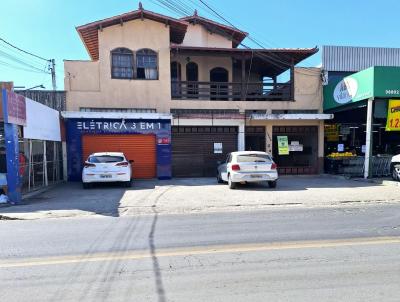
107, 92
89, 83
197, 35
205, 64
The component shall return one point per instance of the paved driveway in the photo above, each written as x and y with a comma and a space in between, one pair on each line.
199, 195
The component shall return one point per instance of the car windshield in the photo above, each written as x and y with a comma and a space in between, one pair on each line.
251, 158
105, 159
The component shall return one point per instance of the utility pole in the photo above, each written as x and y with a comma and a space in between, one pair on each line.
53, 74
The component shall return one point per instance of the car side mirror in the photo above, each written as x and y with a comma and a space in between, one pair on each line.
131, 161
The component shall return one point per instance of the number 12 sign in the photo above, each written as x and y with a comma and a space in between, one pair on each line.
393, 117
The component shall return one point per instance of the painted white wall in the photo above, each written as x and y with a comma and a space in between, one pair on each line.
42, 122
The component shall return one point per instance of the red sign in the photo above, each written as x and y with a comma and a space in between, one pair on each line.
15, 109
163, 141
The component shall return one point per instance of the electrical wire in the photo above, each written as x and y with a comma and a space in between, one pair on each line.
274, 57
6, 64
19, 61
24, 51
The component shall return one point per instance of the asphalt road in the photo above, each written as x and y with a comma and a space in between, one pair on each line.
325, 254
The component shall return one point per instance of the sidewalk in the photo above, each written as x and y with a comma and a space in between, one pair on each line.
198, 195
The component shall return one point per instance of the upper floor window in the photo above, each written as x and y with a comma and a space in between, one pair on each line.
146, 64
122, 63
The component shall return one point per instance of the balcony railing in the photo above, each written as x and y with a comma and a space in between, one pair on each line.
231, 91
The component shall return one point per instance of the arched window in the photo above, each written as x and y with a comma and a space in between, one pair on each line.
175, 79
192, 76
219, 76
146, 64
121, 63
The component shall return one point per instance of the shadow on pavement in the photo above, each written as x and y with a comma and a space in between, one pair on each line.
106, 199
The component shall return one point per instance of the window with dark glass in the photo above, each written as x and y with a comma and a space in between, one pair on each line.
146, 64
122, 64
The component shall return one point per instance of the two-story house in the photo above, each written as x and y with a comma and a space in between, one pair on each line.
189, 95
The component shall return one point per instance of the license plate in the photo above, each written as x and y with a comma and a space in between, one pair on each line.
255, 176
105, 176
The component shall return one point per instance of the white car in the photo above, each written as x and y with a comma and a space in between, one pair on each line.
395, 167
106, 167
248, 166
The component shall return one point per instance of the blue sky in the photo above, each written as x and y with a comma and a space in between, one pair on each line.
47, 27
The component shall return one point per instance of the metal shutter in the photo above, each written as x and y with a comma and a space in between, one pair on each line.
138, 147
193, 149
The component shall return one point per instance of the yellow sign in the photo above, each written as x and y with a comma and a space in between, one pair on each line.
283, 145
332, 132
393, 117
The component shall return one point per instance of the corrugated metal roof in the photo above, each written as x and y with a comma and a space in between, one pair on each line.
353, 59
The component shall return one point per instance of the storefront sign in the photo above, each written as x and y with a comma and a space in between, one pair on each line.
14, 108
77, 128
393, 116
117, 126
332, 133
42, 122
345, 90
283, 145
373, 82
217, 148
295, 148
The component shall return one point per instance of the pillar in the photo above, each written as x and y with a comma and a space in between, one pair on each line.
241, 138
12, 156
368, 140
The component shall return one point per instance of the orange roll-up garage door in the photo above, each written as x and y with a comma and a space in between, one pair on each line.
138, 147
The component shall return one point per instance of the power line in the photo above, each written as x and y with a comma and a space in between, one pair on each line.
15, 59
50, 67
24, 51
17, 67
274, 57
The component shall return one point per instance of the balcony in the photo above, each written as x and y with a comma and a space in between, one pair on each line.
231, 91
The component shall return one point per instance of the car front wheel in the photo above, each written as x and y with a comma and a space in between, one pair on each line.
396, 172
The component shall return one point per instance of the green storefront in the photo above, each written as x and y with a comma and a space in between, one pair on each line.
364, 133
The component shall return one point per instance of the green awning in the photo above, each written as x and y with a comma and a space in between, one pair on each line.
374, 82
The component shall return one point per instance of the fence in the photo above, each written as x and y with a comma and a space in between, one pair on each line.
354, 166
41, 164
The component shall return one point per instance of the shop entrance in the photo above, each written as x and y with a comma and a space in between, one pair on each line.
141, 148
255, 138
197, 150
303, 146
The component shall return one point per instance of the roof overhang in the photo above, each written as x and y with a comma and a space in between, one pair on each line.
269, 62
303, 116
89, 33
236, 35
115, 115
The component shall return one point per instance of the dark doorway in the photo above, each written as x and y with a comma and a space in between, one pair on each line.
192, 76
220, 76
305, 159
255, 138
175, 79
